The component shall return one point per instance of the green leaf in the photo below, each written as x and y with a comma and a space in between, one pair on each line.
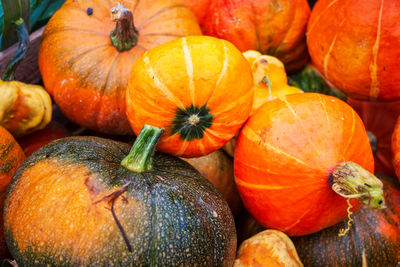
13, 10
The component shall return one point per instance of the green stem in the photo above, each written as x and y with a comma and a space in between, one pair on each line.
350, 180
125, 35
23, 45
140, 158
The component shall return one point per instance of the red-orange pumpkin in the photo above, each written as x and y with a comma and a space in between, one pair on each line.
85, 58
379, 119
275, 28
198, 88
11, 156
355, 44
302, 142
396, 147
36, 140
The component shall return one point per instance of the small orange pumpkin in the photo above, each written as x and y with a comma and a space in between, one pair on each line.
270, 82
198, 88
85, 57
11, 156
268, 248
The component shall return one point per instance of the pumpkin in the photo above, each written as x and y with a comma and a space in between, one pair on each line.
373, 239
270, 82
85, 57
217, 167
356, 52
267, 248
11, 156
81, 201
276, 28
24, 108
36, 140
396, 147
198, 88
313, 155
379, 119
198, 7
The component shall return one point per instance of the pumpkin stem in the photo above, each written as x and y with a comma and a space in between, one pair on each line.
23, 45
140, 158
350, 180
125, 35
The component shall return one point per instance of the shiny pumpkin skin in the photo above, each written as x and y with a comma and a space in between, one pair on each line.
353, 44
194, 75
11, 156
299, 139
373, 239
59, 205
85, 74
217, 167
380, 119
276, 28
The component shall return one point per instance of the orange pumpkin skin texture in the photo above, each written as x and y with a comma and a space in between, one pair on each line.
276, 28
83, 71
298, 140
198, 88
11, 156
353, 43
268, 248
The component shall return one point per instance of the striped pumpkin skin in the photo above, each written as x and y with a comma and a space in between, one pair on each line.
353, 43
58, 210
197, 75
83, 71
11, 156
299, 139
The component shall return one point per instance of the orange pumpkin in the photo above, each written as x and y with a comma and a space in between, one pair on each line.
85, 57
268, 248
198, 88
313, 153
217, 167
276, 28
353, 43
11, 156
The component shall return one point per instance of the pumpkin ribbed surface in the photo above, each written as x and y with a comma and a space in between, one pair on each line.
298, 140
198, 88
353, 44
82, 70
67, 201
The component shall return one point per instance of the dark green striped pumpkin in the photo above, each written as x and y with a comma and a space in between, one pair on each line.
73, 203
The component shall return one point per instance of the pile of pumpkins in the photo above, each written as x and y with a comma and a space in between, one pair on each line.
231, 165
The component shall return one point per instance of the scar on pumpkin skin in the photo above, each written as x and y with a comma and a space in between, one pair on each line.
114, 195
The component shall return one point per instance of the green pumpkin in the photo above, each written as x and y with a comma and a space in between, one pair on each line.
72, 203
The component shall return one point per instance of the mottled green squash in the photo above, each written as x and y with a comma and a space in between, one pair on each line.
73, 203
